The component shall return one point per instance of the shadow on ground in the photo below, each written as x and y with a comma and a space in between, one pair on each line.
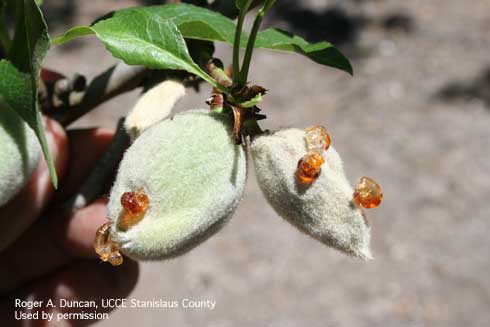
478, 88
332, 24
337, 23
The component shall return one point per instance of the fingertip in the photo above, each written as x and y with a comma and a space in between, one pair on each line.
86, 147
55, 129
101, 136
63, 237
40, 188
81, 281
100, 280
78, 231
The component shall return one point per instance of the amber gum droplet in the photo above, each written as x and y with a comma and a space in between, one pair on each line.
317, 138
135, 205
368, 193
115, 259
309, 168
105, 247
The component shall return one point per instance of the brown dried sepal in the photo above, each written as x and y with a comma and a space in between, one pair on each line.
238, 115
105, 247
216, 101
134, 206
248, 93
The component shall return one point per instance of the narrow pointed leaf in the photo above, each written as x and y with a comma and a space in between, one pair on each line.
19, 75
323, 53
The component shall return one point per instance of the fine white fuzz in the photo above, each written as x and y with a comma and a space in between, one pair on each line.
153, 107
20, 153
194, 176
324, 210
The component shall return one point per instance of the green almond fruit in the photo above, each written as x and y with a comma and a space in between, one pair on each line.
19, 154
323, 210
193, 175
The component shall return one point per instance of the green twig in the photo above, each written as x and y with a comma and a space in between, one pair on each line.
268, 4
242, 79
116, 80
238, 34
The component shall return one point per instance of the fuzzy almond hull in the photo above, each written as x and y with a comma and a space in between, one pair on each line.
194, 176
325, 209
19, 156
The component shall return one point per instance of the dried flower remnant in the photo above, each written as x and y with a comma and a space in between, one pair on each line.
309, 168
317, 138
238, 114
135, 205
105, 247
368, 193
216, 102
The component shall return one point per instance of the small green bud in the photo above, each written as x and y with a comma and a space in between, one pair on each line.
192, 176
324, 209
19, 154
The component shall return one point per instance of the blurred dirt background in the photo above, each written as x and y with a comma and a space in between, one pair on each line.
415, 117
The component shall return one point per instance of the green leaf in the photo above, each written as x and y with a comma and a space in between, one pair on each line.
193, 22
16, 93
19, 75
323, 53
203, 24
31, 40
145, 38
15, 87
